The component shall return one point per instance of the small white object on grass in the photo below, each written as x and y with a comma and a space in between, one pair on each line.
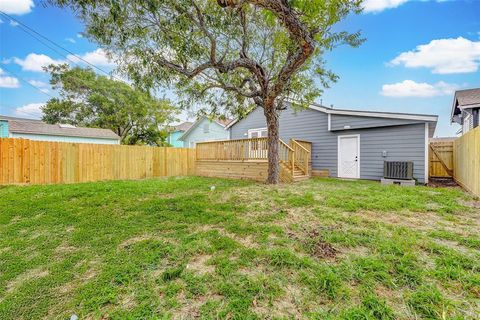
74, 317
212, 188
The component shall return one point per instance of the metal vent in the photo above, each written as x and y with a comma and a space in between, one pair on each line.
398, 170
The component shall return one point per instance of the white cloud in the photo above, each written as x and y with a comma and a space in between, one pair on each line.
9, 82
380, 5
79, 35
443, 56
71, 40
410, 88
14, 23
97, 57
38, 83
16, 6
42, 86
31, 110
36, 62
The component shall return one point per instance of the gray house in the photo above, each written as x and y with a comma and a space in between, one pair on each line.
349, 143
466, 109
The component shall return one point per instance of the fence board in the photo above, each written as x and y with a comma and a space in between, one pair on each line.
42, 162
467, 161
441, 159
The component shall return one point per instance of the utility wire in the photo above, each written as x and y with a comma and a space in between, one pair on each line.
27, 82
36, 34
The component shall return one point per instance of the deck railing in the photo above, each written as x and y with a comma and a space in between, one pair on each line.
295, 155
296, 152
301, 154
241, 149
286, 154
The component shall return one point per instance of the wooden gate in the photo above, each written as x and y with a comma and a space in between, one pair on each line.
441, 158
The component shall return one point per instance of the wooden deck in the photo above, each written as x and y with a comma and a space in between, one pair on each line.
247, 159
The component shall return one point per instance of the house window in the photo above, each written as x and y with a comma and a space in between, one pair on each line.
257, 133
206, 127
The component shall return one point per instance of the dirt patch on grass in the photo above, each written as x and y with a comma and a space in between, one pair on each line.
395, 299
472, 204
25, 277
316, 246
355, 252
453, 245
421, 221
200, 265
319, 248
80, 278
190, 308
65, 249
5, 249
288, 306
144, 237
127, 301
245, 240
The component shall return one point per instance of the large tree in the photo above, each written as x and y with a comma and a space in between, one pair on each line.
92, 100
228, 55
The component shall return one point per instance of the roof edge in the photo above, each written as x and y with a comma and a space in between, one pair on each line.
66, 135
362, 113
195, 124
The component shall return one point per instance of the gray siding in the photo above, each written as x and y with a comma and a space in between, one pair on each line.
402, 142
339, 121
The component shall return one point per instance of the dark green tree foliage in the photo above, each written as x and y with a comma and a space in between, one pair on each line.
91, 100
226, 55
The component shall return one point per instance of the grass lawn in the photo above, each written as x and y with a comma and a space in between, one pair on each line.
174, 248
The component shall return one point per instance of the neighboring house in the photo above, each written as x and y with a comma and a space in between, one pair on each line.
11, 127
348, 143
466, 109
176, 132
205, 129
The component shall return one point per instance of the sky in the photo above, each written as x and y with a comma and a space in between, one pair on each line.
416, 54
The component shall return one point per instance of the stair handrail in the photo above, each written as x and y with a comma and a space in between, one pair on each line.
298, 144
290, 157
302, 154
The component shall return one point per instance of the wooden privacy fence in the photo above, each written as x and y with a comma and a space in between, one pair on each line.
40, 162
466, 161
441, 158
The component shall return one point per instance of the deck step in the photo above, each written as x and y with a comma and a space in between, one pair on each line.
300, 177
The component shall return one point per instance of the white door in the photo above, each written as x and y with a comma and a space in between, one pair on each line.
349, 156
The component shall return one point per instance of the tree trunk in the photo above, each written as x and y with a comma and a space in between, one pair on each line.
273, 140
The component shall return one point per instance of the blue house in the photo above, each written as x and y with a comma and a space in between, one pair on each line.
11, 127
205, 129
176, 132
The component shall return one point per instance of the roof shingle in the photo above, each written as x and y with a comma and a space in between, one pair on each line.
468, 97
39, 127
182, 126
